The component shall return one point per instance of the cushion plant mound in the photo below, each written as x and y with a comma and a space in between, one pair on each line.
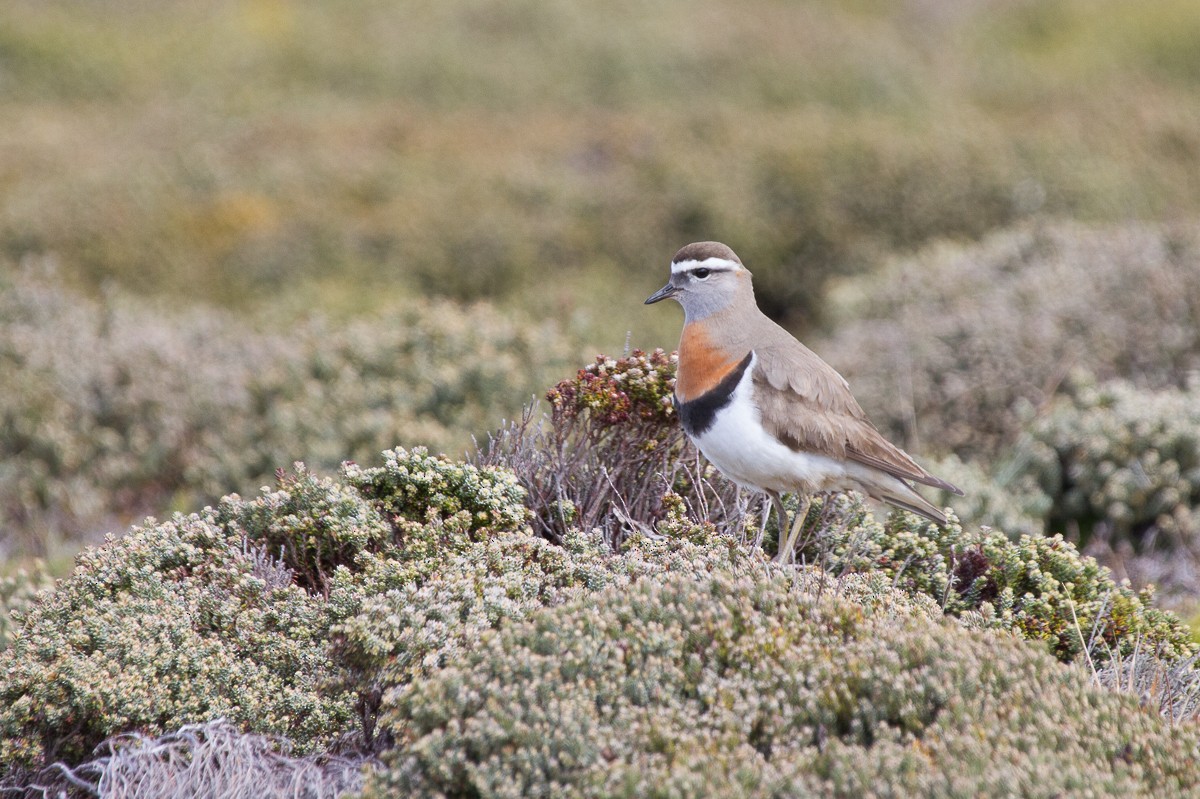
742, 687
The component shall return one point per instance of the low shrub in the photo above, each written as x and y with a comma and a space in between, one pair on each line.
112, 411
408, 617
420, 487
1113, 467
429, 373
17, 594
415, 607
174, 623
1124, 460
1039, 587
115, 409
312, 524
401, 512
949, 346
610, 451
739, 686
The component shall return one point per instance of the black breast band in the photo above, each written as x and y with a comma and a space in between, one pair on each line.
698, 415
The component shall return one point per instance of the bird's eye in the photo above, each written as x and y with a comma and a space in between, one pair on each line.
701, 274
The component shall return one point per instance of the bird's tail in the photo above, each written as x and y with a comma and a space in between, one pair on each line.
908, 499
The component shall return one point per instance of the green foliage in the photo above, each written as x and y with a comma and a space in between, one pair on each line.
735, 686
364, 605
195, 618
113, 410
1038, 587
423, 578
173, 623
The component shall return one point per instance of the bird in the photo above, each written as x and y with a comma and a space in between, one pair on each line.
767, 411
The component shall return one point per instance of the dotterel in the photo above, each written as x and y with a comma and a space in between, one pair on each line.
766, 410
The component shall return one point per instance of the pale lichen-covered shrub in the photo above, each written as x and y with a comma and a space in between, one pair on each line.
227, 613
420, 487
328, 607
947, 347
408, 617
740, 687
1122, 462
1008, 494
174, 623
1040, 587
118, 408
312, 524
406, 623
386, 529
413, 569
17, 594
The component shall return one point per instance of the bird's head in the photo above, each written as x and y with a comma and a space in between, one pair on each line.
706, 277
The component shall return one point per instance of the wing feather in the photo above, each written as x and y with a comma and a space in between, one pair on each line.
806, 404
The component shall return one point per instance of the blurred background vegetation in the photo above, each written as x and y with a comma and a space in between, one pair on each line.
239, 233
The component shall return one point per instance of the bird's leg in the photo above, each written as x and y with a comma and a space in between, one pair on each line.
763, 519
781, 513
787, 549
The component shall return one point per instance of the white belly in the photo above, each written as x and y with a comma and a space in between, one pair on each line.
739, 446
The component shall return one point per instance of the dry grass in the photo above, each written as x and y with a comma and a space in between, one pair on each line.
214, 759
1172, 688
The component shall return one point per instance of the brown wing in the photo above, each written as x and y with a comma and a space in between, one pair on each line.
806, 404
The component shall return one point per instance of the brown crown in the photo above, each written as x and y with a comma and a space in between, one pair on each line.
703, 250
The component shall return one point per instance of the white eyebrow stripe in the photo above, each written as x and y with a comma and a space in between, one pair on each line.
710, 263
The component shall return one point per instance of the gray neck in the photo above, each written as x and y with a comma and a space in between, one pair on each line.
739, 305
705, 305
